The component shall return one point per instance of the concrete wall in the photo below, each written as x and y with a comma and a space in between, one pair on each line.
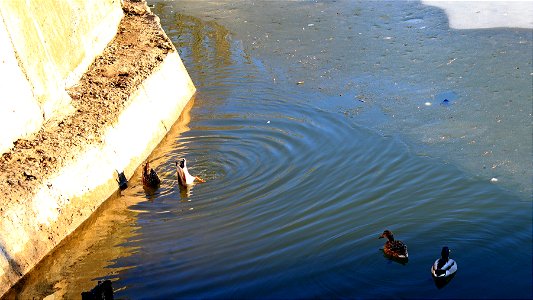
43, 51
31, 229
45, 46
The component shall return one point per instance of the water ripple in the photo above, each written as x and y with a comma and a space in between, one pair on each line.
304, 192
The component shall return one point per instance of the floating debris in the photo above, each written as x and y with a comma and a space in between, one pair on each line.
446, 98
451, 61
361, 98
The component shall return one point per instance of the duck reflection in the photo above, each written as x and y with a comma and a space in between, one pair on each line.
441, 282
185, 191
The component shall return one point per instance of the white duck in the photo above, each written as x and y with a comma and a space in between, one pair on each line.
184, 178
444, 267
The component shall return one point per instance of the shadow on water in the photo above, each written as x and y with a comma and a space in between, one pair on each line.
442, 282
401, 261
102, 291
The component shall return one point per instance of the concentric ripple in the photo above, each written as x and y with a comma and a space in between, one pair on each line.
294, 201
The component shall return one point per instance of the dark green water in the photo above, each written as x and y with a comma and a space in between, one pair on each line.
301, 179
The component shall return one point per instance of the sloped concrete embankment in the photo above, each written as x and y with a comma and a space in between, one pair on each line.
89, 89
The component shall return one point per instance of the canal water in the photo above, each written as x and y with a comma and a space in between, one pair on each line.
317, 125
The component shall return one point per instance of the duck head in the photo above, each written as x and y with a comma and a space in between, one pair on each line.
445, 253
387, 234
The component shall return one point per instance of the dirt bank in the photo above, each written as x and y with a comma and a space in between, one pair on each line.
99, 97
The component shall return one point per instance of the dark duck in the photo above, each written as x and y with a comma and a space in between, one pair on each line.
184, 177
393, 248
150, 178
445, 266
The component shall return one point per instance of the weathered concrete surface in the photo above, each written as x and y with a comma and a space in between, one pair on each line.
122, 107
19, 112
45, 46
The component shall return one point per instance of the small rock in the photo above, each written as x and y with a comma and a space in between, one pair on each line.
28, 175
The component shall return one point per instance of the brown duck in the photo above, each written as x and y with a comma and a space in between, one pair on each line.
150, 178
393, 248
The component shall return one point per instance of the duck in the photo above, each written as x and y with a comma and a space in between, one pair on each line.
184, 177
393, 248
444, 267
150, 178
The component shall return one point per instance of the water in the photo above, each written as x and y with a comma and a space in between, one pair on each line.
302, 178
396, 56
